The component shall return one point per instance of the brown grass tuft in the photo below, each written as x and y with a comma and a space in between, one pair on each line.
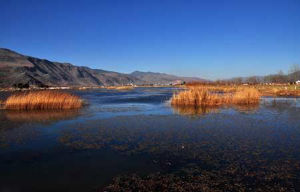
199, 96
246, 96
41, 100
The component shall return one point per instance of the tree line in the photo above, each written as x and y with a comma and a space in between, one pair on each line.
291, 77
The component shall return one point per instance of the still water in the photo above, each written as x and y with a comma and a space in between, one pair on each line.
121, 135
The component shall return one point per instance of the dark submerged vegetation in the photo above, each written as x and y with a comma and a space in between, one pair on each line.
231, 156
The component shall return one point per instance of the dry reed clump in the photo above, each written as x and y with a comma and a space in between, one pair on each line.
41, 100
197, 97
204, 97
246, 96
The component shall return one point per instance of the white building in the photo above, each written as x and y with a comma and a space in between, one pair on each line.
298, 82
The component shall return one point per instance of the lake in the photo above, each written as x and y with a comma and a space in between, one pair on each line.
134, 137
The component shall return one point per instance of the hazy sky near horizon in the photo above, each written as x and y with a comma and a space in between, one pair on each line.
205, 38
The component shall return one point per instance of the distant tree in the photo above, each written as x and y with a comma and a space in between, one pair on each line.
294, 68
252, 80
294, 73
280, 77
280, 72
238, 80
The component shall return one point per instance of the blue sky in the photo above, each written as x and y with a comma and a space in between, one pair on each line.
210, 39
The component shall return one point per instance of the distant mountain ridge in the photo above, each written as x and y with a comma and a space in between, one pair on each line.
16, 68
156, 78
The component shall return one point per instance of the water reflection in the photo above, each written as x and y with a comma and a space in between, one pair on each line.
40, 116
21, 127
194, 110
246, 108
200, 111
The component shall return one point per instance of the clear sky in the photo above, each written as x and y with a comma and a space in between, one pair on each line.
205, 38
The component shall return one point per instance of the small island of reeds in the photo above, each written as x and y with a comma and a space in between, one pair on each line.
42, 100
201, 96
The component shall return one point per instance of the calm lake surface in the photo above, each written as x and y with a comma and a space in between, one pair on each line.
137, 134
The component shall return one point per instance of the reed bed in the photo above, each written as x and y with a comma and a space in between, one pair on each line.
199, 96
42, 100
246, 96
281, 90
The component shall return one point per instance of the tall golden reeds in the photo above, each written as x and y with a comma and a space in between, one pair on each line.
282, 90
199, 96
246, 96
40, 100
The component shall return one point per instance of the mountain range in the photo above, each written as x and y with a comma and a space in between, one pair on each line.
16, 69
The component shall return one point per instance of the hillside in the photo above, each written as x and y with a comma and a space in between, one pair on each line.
16, 68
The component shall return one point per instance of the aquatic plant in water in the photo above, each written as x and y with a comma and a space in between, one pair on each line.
199, 96
41, 100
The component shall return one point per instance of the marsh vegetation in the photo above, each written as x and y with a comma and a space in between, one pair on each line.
42, 100
201, 96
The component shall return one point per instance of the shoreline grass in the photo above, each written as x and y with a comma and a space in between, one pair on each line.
120, 87
273, 90
42, 100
